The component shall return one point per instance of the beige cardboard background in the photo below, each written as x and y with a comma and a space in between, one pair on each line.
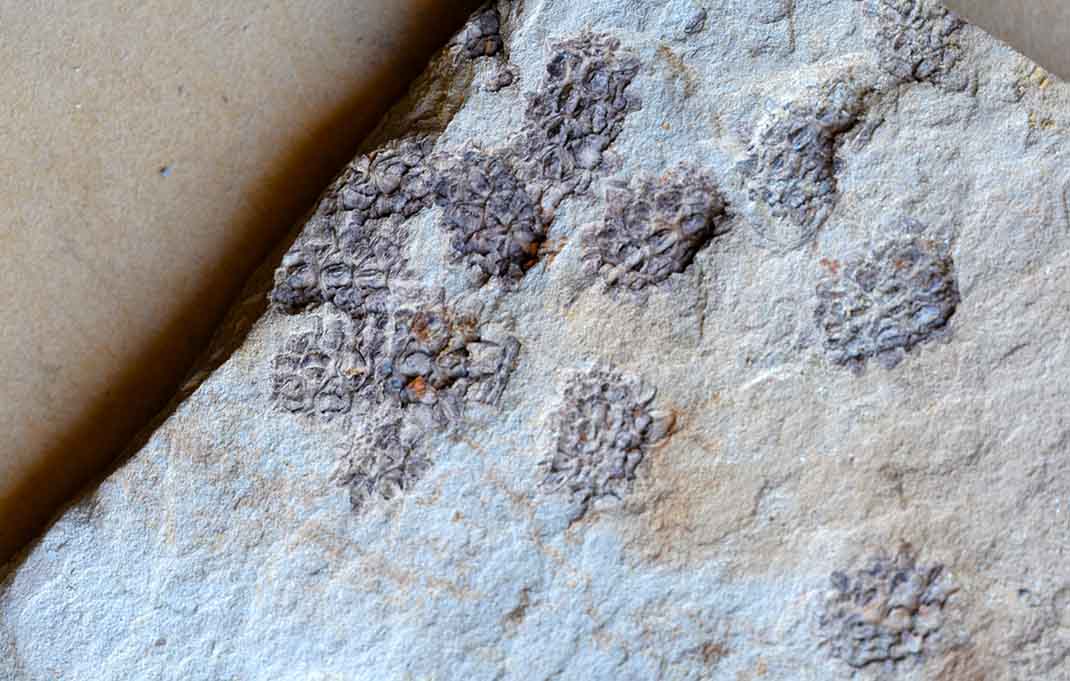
1039, 29
151, 153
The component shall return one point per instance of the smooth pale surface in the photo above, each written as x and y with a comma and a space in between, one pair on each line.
1039, 28
151, 153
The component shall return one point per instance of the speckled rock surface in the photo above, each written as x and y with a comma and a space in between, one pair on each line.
672, 339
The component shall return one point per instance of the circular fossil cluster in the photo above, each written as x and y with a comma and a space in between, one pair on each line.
887, 612
605, 426
578, 112
353, 246
791, 162
915, 38
654, 227
881, 305
491, 219
481, 36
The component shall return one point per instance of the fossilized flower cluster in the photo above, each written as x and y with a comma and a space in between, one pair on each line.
888, 612
481, 36
605, 426
439, 358
791, 162
576, 115
881, 305
492, 221
354, 247
382, 465
915, 39
317, 372
654, 227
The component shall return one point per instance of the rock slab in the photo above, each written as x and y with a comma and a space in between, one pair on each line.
647, 340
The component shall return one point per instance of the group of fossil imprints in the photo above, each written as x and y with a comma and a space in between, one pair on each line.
406, 357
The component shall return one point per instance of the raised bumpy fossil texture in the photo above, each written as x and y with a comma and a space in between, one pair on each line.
481, 36
349, 253
605, 426
887, 613
916, 39
318, 372
493, 223
383, 464
576, 115
654, 227
791, 162
440, 359
881, 305
445, 426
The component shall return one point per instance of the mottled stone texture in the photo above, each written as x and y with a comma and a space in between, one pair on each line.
647, 340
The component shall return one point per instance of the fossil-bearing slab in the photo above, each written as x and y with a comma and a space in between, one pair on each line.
672, 339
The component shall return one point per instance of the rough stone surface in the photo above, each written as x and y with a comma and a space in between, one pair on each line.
440, 438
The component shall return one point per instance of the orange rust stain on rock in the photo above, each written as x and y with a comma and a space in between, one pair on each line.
418, 387
831, 265
679, 69
962, 665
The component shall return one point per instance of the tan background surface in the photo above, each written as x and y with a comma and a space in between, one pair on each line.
151, 153
1040, 29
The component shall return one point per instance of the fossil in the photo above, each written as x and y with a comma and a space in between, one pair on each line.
791, 162
605, 426
654, 227
481, 37
492, 220
318, 371
383, 464
902, 293
348, 256
915, 39
888, 612
575, 116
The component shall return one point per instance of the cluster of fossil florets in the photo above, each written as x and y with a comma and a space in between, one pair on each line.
317, 372
347, 255
915, 39
791, 162
605, 426
881, 305
438, 358
417, 352
395, 180
493, 223
382, 465
888, 612
576, 114
654, 227
481, 36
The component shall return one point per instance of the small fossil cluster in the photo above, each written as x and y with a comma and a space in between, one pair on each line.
654, 227
383, 464
418, 353
493, 223
349, 252
915, 39
881, 305
578, 112
481, 36
438, 358
317, 372
888, 612
791, 162
605, 426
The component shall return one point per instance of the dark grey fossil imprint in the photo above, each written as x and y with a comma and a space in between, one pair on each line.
605, 426
889, 612
654, 227
884, 303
